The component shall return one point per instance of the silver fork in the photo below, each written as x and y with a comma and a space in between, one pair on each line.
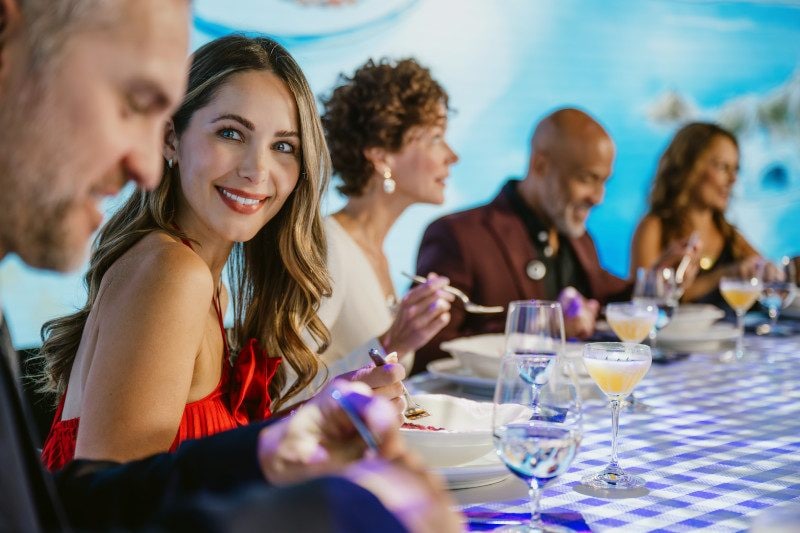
414, 411
469, 306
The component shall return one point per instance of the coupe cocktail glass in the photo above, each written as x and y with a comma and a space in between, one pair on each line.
616, 367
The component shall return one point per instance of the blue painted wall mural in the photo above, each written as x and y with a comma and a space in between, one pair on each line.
642, 67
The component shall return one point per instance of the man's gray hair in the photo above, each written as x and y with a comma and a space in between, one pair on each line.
50, 22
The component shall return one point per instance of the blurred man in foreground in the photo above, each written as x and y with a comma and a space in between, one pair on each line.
86, 87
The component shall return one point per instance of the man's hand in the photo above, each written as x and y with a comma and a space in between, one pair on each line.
415, 496
580, 314
319, 438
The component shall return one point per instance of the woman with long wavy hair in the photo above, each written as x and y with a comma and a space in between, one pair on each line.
691, 190
146, 363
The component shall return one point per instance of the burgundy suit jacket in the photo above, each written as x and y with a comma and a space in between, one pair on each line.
485, 251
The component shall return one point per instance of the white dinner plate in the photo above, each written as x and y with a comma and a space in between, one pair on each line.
712, 339
451, 370
486, 470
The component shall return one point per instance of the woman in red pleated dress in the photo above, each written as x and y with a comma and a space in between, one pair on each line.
147, 364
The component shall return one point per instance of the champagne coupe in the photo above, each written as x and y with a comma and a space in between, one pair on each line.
632, 321
778, 294
536, 449
741, 294
535, 329
616, 367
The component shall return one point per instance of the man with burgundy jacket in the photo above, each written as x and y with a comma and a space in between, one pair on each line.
531, 240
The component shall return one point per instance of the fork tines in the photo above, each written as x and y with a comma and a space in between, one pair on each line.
415, 413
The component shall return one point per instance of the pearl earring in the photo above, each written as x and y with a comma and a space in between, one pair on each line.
388, 182
169, 162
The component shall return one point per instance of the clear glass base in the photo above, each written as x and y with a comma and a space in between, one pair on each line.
613, 480
525, 528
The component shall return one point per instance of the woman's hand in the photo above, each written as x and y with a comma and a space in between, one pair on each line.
383, 380
421, 314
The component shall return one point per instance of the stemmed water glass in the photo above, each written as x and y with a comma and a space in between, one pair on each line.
777, 294
657, 287
535, 328
536, 449
741, 292
616, 367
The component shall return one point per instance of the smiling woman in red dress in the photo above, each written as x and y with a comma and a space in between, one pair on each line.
145, 364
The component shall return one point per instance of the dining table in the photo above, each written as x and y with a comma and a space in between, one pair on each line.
718, 445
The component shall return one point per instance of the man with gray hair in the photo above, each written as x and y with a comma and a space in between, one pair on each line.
86, 88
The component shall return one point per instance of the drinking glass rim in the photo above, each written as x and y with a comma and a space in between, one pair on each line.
750, 282
632, 305
639, 351
552, 304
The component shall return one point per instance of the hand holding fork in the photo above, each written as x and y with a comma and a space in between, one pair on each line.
469, 306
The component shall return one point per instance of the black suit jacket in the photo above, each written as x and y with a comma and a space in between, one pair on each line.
211, 484
485, 252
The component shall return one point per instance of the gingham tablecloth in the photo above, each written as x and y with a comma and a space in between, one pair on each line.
720, 444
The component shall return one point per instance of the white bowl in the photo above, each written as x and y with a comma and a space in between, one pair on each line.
481, 354
466, 432
692, 319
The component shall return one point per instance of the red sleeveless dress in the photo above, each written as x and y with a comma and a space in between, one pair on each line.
241, 397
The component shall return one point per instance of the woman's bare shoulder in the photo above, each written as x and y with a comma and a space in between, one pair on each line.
650, 223
160, 266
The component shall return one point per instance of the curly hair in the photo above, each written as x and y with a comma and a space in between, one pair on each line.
376, 108
676, 179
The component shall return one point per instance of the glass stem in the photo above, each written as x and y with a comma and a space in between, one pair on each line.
773, 317
536, 518
615, 405
740, 337
535, 399
653, 335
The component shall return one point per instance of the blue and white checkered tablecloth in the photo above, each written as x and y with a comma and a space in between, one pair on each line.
720, 444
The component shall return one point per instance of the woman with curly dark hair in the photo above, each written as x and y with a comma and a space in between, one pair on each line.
691, 190
385, 127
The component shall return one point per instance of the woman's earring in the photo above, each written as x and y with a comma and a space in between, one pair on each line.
388, 182
169, 162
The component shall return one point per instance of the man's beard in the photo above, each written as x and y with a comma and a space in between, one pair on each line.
34, 210
560, 214
566, 225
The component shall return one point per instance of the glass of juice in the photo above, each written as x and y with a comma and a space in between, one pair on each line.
741, 294
616, 367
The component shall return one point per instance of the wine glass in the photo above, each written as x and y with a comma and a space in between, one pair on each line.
616, 367
740, 293
536, 449
777, 294
535, 328
657, 287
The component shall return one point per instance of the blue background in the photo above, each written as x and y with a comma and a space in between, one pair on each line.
641, 67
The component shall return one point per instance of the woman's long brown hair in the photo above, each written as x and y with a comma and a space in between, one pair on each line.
675, 183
